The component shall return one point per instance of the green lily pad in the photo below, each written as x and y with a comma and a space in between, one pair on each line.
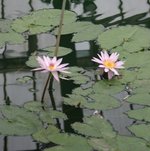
49, 116
94, 126
11, 38
62, 51
90, 33
141, 130
94, 101
5, 25
128, 37
142, 99
34, 106
18, 121
42, 135
68, 142
140, 114
126, 143
41, 21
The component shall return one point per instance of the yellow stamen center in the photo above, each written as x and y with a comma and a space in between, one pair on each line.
51, 67
109, 64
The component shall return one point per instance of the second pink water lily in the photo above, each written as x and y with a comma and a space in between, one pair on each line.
52, 65
109, 63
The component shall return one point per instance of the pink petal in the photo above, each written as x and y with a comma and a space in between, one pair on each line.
58, 62
46, 62
54, 59
106, 70
62, 65
110, 75
106, 56
115, 71
119, 64
55, 74
114, 56
96, 60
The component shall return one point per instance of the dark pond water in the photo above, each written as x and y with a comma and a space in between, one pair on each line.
12, 62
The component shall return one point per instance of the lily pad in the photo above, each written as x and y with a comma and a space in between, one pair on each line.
34, 106
128, 37
62, 51
126, 143
142, 99
42, 135
140, 114
94, 126
5, 25
94, 101
41, 21
11, 38
68, 142
18, 121
90, 33
141, 130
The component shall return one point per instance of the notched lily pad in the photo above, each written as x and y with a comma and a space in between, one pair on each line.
141, 130
18, 121
41, 21
128, 37
94, 126
140, 114
62, 51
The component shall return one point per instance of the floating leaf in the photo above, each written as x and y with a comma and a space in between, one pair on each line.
18, 121
24, 79
32, 62
141, 130
94, 101
83, 92
90, 33
68, 142
128, 37
74, 27
140, 114
42, 135
11, 38
142, 99
126, 143
48, 116
41, 21
108, 87
139, 59
34, 106
94, 126
5, 25
102, 102
62, 51
101, 144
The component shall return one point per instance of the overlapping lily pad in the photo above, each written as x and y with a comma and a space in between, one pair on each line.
68, 142
41, 21
5, 25
94, 126
142, 99
11, 38
18, 121
32, 62
140, 114
141, 130
83, 31
128, 37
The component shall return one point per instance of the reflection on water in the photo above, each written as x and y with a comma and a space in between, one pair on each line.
12, 63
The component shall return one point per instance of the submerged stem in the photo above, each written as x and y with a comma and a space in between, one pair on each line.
45, 87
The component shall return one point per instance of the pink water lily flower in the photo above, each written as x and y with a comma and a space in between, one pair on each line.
109, 63
52, 65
